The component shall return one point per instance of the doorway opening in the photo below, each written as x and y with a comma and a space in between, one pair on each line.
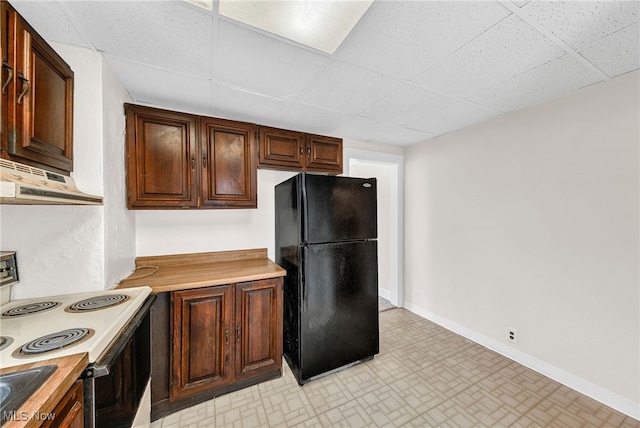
389, 181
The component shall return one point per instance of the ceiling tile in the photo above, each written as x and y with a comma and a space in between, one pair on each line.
406, 105
403, 38
179, 92
273, 67
580, 23
404, 137
363, 129
616, 54
544, 83
507, 50
455, 116
347, 88
314, 120
171, 35
241, 104
50, 20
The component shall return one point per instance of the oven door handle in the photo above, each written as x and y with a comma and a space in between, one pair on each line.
103, 365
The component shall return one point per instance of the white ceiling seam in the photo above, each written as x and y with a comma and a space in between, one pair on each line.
522, 14
407, 72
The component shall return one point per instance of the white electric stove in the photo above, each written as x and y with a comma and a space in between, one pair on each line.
55, 326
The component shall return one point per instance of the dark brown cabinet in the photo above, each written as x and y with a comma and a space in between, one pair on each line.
213, 340
229, 176
258, 324
178, 160
37, 98
161, 158
69, 412
202, 330
297, 151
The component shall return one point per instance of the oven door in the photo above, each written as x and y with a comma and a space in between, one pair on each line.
113, 386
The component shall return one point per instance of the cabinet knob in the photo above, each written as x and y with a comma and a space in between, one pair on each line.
204, 160
238, 333
226, 335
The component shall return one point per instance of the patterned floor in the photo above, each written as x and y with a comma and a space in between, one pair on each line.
425, 376
384, 304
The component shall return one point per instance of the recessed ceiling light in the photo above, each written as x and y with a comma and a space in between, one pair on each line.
320, 24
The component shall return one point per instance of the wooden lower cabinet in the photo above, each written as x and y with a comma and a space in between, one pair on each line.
213, 340
202, 323
258, 323
69, 413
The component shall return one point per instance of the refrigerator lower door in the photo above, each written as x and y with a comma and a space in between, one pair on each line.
339, 311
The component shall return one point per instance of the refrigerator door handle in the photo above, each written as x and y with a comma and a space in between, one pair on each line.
303, 279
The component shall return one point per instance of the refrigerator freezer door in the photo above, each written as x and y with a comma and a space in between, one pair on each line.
338, 208
339, 311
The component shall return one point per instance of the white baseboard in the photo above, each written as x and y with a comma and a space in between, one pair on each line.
384, 293
604, 396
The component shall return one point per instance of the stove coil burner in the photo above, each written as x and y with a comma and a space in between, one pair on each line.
29, 309
54, 342
5, 341
98, 302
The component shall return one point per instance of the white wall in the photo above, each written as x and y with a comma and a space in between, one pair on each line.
119, 222
530, 221
192, 231
189, 231
64, 249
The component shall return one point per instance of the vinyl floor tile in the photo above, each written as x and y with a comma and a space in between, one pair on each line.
424, 376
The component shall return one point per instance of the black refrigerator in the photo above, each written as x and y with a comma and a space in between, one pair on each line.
325, 237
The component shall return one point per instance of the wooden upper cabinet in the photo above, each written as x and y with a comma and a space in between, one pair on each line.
179, 160
228, 164
281, 148
7, 71
297, 151
37, 98
161, 158
324, 154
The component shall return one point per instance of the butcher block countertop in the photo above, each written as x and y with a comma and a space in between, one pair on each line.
44, 400
187, 271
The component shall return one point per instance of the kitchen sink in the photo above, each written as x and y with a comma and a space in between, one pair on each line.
17, 387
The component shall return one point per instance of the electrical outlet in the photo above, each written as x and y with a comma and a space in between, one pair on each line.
512, 335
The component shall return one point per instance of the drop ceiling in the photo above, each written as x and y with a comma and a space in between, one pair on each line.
407, 72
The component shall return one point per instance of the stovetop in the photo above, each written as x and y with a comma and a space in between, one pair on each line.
87, 321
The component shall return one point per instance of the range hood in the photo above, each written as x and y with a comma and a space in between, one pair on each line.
25, 185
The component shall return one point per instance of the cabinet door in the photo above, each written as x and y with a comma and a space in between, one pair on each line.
161, 158
69, 412
40, 113
281, 148
202, 321
258, 327
228, 164
324, 154
7, 70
